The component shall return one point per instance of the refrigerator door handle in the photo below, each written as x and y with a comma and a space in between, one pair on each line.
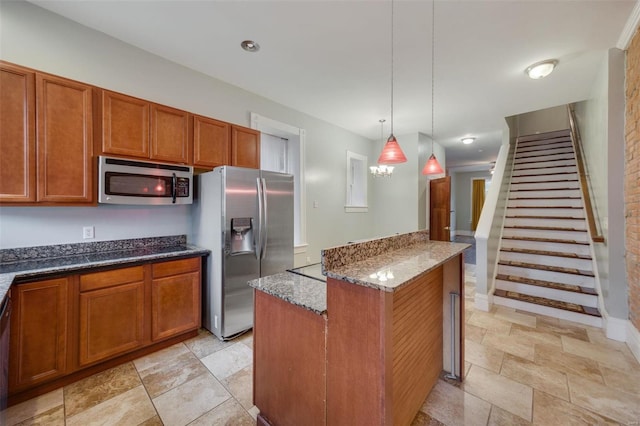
258, 246
265, 229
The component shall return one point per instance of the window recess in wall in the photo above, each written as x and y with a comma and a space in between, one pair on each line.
356, 183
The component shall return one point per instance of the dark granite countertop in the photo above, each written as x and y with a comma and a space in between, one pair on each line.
34, 262
305, 292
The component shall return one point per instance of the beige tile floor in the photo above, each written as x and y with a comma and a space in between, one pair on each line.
520, 369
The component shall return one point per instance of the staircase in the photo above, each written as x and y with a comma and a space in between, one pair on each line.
545, 264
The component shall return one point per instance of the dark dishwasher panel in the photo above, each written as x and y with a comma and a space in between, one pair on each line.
5, 316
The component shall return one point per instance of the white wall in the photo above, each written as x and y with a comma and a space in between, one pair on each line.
541, 121
601, 125
36, 38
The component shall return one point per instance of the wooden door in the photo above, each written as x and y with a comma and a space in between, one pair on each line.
439, 209
125, 125
17, 134
245, 147
64, 140
211, 146
39, 334
112, 313
170, 134
175, 298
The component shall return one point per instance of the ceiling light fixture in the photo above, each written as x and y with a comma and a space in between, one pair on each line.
381, 170
391, 152
541, 69
468, 141
250, 46
432, 167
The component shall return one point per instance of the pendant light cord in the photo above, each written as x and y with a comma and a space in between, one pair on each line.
433, 49
391, 67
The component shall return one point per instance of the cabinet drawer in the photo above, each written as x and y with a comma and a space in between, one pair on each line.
105, 279
175, 267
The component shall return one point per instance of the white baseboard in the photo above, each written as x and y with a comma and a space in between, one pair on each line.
616, 329
633, 340
465, 233
483, 302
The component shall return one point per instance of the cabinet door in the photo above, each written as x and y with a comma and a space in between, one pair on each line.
210, 142
175, 298
17, 134
38, 348
65, 140
111, 316
245, 147
170, 134
125, 125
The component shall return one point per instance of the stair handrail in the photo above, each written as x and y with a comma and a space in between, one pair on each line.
585, 186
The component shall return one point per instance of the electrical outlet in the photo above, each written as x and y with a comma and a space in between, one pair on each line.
316, 204
88, 232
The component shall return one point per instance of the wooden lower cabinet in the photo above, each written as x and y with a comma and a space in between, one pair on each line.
39, 333
175, 298
64, 326
112, 314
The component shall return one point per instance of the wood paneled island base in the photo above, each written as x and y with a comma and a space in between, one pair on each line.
372, 358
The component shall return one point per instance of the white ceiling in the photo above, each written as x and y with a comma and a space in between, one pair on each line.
332, 59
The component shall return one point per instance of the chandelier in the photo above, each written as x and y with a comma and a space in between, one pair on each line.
381, 170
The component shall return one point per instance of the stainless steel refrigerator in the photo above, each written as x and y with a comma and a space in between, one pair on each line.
245, 217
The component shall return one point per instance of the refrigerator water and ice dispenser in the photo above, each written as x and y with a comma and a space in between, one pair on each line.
241, 238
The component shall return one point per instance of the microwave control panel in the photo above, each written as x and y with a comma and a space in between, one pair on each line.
182, 187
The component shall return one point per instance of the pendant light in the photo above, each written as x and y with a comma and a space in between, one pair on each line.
432, 167
381, 170
391, 152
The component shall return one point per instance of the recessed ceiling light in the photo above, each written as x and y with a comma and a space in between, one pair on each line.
250, 46
468, 141
541, 69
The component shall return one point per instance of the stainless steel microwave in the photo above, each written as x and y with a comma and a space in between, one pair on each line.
123, 181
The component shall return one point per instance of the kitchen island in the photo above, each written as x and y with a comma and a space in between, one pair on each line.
373, 354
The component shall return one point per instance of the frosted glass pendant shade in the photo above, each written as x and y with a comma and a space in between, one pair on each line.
432, 167
392, 153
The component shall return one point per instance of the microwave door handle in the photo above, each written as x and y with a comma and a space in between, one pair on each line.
174, 184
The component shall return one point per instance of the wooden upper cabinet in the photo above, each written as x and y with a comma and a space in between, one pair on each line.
125, 125
170, 134
39, 333
64, 140
17, 134
211, 147
245, 147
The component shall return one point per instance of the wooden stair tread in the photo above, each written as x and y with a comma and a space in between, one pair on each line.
547, 253
546, 174
553, 144
544, 181
516, 168
559, 269
587, 310
544, 189
546, 198
546, 240
542, 207
521, 155
546, 228
541, 217
547, 284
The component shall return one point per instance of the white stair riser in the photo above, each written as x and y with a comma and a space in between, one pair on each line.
521, 159
554, 277
550, 312
556, 148
537, 259
578, 236
521, 179
549, 293
557, 212
519, 186
558, 135
543, 194
562, 202
540, 165
549, 170
577, 224
581, 249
